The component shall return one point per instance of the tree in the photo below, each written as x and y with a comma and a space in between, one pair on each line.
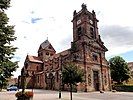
119, 69
4, 4
71, 75
7, 66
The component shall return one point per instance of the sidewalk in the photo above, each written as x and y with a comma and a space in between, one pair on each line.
40, 94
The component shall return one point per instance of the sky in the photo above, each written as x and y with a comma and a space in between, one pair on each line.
37, 20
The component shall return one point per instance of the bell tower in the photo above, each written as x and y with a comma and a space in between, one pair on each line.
87, 48
84, 25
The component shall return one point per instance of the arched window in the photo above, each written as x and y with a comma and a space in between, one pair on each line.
79, 32
91, 32
37, 68
94, 57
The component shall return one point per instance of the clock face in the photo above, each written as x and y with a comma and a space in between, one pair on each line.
79, 21
91, 21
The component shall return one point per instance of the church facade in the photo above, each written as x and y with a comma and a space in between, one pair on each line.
87, 52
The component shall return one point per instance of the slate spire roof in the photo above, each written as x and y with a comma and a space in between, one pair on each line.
45, 44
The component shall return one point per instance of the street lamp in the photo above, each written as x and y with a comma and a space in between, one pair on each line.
60, 73
24, 73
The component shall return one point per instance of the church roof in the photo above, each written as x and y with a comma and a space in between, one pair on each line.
45, 44
63, 53
34, 59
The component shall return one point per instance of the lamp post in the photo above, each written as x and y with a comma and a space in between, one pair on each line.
23, 81
60, 73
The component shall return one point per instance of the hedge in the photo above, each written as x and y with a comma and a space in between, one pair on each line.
123, 88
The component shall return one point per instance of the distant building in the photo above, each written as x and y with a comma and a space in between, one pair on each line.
87, 52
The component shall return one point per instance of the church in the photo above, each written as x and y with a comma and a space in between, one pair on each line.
87, 52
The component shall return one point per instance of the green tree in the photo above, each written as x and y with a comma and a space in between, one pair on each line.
4, 4
119, 69
71, 75
7, 66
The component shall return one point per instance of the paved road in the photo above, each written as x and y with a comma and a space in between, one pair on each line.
53, 95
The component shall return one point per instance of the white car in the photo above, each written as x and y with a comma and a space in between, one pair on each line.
12, 88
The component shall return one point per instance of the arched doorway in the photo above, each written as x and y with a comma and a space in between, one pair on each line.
96, 80
50, 81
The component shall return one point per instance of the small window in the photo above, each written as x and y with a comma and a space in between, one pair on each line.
79, 32
38, 79
91, 32
47, 53
51, 54
50, 47
37, 68
41, 67
95, 57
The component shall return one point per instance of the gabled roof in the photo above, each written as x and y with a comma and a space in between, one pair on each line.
45, 45
34, 59
63, 53
98, 44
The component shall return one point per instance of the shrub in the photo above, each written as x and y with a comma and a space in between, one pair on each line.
124, 88
27, 94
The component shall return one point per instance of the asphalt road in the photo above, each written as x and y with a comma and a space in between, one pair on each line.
53, 95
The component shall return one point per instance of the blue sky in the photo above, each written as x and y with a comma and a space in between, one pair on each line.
35, 20
128, 56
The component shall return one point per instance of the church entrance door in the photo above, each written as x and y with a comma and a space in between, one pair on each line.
96, 80
50, 82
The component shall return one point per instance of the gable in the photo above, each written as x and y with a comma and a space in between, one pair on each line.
46, 45
50, 47
98, 45
33, 59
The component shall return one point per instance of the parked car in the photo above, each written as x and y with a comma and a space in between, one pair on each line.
12, 88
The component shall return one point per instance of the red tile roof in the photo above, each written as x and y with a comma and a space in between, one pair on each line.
65, 52
34, 59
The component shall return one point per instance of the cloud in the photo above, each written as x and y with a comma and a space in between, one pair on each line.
34, 20
118, 39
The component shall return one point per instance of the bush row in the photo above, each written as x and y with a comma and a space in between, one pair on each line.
123, 88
